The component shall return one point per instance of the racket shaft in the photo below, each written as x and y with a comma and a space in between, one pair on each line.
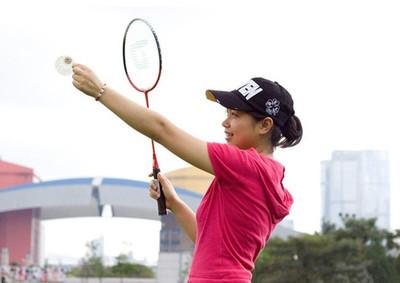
162, 208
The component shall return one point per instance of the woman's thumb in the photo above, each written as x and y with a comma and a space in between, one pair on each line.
163, 180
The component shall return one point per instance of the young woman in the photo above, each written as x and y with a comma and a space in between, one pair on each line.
246, 199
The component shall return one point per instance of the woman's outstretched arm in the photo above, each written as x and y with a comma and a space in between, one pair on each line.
145, 121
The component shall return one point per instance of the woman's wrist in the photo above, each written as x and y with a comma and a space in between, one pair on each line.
176, 205
101, 92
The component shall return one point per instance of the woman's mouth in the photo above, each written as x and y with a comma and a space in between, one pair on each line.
228, 135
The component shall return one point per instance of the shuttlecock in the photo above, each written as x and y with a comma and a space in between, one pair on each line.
64, 65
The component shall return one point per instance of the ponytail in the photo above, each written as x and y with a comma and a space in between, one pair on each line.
289, 135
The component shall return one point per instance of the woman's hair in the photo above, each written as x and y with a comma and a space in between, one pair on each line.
288, 135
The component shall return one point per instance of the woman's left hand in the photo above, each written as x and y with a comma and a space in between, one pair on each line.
86, 80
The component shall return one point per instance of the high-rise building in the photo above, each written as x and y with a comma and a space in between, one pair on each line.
356, 184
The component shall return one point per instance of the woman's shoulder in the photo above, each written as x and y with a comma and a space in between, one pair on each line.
250, 155
263, 157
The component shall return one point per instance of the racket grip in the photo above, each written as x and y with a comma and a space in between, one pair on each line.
162, 208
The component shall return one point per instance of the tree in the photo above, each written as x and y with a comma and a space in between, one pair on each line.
358, 252
378, 245
124, 268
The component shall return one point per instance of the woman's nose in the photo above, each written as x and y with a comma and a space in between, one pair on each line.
225, 123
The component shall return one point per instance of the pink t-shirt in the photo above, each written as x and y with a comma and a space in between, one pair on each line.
235, 218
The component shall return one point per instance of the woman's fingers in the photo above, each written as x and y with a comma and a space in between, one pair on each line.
165, 182
78, 78
86, 80
171, 196
76, 84
77, 71
80, 67
153, 185
153, 191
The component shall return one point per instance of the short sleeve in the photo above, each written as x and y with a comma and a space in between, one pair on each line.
230, 163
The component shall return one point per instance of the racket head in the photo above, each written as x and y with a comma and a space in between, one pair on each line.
141, 55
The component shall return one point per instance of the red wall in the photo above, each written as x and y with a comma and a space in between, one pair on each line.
16, 226
16, 233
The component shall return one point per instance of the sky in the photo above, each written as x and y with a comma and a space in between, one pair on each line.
338, 59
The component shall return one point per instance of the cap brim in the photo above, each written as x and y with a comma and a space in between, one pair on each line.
228, 99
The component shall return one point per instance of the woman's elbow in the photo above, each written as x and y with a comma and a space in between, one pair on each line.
162, 132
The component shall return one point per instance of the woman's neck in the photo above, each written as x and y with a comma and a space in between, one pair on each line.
266, 150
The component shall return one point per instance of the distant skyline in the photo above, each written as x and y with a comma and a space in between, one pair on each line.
339, 59
356, 184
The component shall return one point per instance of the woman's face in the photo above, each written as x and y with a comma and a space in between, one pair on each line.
240, 129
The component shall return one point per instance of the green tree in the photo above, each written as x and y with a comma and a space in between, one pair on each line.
358, 252
92, 266
377, 245
124, 268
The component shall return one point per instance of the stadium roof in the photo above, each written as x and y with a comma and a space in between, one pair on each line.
85, 197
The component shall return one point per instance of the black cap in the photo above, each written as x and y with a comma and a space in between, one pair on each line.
260, 97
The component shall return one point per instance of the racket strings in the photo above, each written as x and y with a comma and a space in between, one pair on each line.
142, 56
138, 54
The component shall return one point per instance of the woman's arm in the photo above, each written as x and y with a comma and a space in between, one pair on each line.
186, 219
146, 121
183, 213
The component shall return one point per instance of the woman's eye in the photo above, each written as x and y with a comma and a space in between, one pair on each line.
233, 113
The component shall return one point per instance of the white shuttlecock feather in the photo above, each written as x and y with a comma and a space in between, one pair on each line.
64, 65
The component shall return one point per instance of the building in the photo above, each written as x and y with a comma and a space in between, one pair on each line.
24, 204
356, 184
19, 230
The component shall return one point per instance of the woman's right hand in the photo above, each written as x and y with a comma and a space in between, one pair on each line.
171, 197
86, 80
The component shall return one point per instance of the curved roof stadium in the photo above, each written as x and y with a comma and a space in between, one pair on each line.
86, 197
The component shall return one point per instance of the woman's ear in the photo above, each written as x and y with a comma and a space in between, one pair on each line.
266, 125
